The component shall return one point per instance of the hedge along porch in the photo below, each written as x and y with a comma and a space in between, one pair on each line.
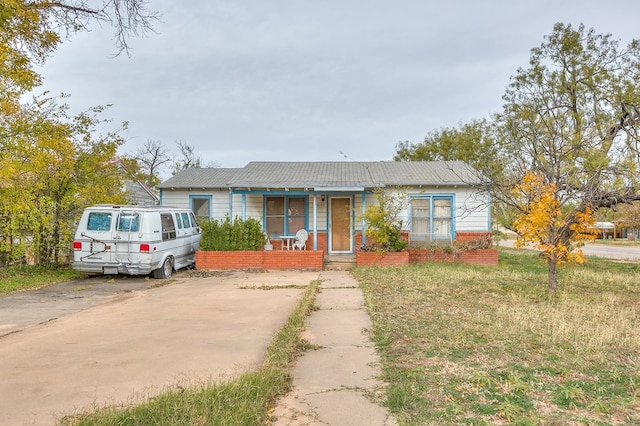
328, 199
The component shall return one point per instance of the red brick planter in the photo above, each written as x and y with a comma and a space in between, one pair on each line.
372, 258
480, 257
470, 257
267, 260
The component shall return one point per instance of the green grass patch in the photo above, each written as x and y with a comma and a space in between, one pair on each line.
465, 344
244, 400
19, 278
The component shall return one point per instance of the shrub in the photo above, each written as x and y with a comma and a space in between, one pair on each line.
225, 235
383, 223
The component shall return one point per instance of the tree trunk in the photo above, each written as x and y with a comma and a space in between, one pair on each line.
552, 266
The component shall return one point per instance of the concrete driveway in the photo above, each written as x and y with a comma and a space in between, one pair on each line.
88, 344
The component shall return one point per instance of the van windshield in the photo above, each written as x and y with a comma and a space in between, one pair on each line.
129, 222
99, 221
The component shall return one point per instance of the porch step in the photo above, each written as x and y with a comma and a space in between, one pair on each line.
339, 262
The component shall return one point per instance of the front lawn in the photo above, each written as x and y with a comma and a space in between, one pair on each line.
487, 345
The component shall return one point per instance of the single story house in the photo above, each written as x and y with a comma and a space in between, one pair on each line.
329, 198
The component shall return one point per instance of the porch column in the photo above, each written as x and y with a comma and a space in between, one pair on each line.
244, 206
230, 203
363, 225
315, 223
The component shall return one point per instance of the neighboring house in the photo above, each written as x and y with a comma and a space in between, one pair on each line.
138, 193
328, 199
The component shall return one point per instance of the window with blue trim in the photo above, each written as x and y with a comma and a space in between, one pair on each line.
284, 215
201, 205
431, 218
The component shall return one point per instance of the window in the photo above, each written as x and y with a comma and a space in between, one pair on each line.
168, 226
179, 220
442, 216
201, 205
296, 219
99, 221
420, 216
129, 222
285, 215
431, 219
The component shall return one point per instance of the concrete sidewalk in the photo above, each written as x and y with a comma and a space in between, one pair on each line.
334, 384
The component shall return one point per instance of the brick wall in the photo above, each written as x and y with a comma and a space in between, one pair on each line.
267, 260
480, 257
369, 258
473, 236
470, 257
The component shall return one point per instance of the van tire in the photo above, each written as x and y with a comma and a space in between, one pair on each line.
166, 270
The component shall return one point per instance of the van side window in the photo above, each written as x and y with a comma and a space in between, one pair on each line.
179, 221
168, 226
129, 222
185, 220
98, 221
194, 222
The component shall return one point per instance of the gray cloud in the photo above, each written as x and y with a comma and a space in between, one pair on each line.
282, 80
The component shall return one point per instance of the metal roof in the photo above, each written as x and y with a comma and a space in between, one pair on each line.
325, 174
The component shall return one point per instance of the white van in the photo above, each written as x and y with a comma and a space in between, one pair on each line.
135, 240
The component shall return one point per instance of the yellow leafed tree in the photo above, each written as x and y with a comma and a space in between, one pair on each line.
543, 224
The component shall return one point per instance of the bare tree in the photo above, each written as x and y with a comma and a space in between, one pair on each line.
151, 157
127, 17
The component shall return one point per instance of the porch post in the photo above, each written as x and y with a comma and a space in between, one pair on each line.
364, 209
231, 203
315, 223
244, 206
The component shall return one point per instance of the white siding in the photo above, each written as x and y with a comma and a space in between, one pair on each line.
471, 211
176, 199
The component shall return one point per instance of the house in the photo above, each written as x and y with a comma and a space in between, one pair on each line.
329, 199
137, 192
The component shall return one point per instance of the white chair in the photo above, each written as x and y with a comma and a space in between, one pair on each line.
301, 240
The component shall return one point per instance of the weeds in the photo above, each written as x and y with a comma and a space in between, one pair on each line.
485, 345
25, 277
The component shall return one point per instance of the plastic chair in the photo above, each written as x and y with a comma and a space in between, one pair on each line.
301, 240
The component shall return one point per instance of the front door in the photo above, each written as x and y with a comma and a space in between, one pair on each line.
340, 225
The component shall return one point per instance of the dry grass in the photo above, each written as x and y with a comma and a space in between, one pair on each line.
488, 345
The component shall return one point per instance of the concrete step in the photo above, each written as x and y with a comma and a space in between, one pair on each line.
339, 262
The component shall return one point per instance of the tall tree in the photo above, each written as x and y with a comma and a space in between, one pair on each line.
471, 142
51, 164
570, 124
51, 169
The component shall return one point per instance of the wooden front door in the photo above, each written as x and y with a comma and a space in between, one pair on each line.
340, 223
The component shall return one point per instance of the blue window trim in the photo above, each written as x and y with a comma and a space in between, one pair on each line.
208, 197
431, 197
286, 210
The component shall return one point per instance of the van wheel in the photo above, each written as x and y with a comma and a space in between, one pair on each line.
166, 270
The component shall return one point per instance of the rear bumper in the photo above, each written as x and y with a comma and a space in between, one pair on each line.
112, 268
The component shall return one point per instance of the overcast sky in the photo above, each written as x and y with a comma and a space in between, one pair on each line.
302, 80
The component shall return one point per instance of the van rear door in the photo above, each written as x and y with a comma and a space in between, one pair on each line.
96, 237
127, 236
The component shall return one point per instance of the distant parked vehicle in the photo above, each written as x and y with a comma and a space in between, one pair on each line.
135, 240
